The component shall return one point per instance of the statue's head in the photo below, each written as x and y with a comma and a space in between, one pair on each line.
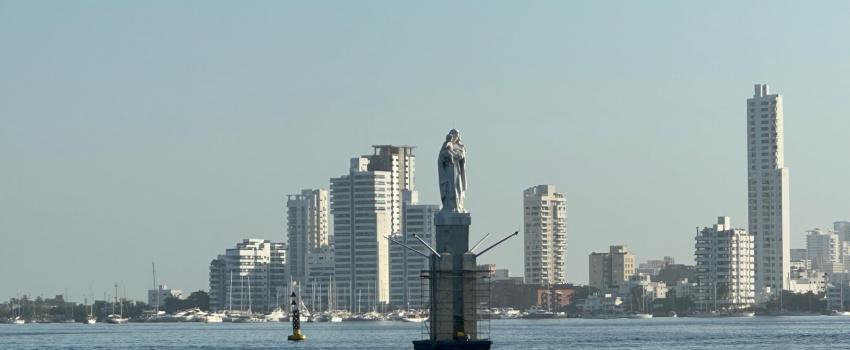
453, 135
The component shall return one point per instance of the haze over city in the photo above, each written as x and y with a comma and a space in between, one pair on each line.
167, 132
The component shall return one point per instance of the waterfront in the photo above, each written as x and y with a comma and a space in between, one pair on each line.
815, 332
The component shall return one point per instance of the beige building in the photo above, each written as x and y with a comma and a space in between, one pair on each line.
545, 235
611, 269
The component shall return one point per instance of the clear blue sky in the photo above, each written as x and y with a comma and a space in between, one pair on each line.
167, 131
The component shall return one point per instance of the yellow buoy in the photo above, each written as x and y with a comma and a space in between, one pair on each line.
296, 336
295, 315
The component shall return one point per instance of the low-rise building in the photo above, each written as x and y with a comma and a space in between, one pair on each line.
610, 270
602, 304
653, 267
805, 281
159, 295
838, 294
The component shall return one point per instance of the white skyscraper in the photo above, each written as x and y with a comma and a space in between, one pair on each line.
725, 276
769, 218
307, 229
361, 204
545, 235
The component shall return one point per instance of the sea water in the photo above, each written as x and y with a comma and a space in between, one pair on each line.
815, 332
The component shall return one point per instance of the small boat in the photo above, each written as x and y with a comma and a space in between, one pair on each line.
276, 315
91, 320
213, 318
640, 316
536, 312
116, 319
414, 319
18, 320
840, 313
335, 319
741, 314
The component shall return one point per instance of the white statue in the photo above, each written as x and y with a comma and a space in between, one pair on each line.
451, 168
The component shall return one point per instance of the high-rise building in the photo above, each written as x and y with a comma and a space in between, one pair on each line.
725, 267
768, 201
250, 277
407, 289
400, 162
610, 270
361, 204
307, 229
545, 235
824, 249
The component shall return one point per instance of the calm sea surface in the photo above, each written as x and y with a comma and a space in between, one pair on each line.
817, 332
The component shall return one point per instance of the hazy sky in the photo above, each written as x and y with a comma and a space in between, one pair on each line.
133, 132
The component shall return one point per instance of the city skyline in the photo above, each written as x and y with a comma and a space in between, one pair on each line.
145, 156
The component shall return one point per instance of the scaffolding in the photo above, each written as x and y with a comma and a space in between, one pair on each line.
476, 309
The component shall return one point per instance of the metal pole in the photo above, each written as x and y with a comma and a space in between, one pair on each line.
497, 243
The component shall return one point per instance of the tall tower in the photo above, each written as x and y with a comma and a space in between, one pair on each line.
307, 229
545, 235
768, 205
361, 219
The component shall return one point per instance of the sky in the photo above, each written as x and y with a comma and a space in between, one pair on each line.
163, 131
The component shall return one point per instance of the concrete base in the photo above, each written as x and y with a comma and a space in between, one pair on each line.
480, 344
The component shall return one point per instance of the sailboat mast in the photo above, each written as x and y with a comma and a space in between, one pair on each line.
115, 300
155, 288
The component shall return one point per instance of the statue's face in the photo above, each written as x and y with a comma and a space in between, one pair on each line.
453, 135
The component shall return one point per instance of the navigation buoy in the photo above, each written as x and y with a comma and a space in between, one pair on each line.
295, 315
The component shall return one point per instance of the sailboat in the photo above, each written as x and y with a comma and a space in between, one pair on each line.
641, 314
18, 319
90, 319
113, 317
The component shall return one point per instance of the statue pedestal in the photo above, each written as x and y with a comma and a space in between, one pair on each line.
453, 279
